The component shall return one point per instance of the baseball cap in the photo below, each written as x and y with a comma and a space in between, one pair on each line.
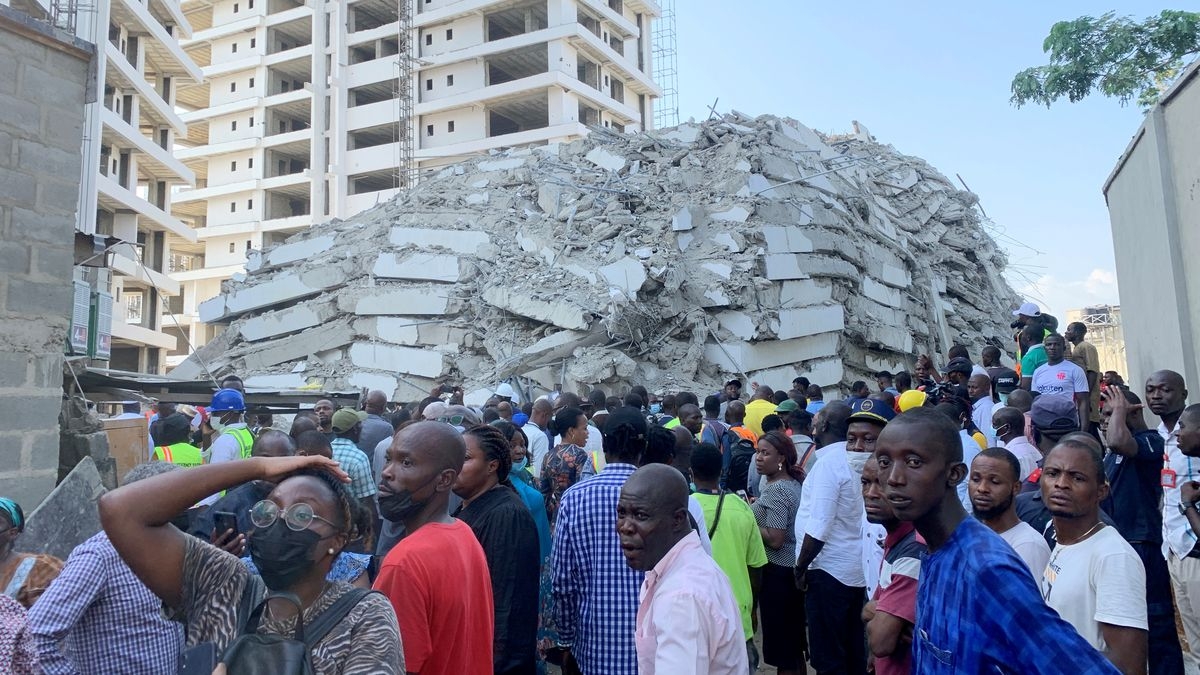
1054, 413
787, 406
345, 419
736, 383
959, 365
911, 399
1028, 309
872, 410
1005, 381
434, 410
625, 415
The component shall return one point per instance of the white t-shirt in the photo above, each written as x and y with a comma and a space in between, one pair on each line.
1064, 379
539, 446
1099, 580
970, 448
1030, 545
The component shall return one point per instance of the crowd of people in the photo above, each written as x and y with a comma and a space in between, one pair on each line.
965, 519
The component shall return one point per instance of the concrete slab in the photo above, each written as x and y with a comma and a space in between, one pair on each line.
284, 321
781, 266
737, 214
723, 270
67, 516
501, 164
748, 356
281, 382
738, 323
882, 293
284, 287
459, 241
799, 322
804, 292
627, 274
403, 301
305, 249
729, 242
303, 344
562, 313
417, 266
786, 239
682, 220
605, 160
396, 359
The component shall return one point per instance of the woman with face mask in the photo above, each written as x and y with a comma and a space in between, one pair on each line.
522, 481
23, 576
299, 531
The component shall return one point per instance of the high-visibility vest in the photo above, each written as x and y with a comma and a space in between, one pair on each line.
598, 460
245, 440
180, 454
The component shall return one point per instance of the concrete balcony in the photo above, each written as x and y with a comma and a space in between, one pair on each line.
369, 72
119, 134
636, 81
248, 62
119, 71
388, 30
289, 15
204, 273
289, 224
527, 85
214, 149
276, 182
301, 53
371, 114
211, 192
161, 47
475, 147
113, 196
133, 334
627, 27
133, 270
298, 136
224, 30
202, 114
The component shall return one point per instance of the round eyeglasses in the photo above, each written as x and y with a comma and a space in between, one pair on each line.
297, 517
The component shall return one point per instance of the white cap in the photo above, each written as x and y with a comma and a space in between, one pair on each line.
434, 410
1028, 309
505, 390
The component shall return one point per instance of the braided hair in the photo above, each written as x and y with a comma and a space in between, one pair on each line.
495, 448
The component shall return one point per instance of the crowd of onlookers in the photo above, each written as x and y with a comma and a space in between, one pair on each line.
967, 517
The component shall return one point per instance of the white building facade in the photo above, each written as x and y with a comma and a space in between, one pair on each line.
309, 112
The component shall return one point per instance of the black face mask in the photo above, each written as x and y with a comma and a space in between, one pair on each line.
398, 506
282, 555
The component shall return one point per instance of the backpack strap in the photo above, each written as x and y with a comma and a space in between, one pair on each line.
807, 453
252, 595
717, 518
256, 616
319, 627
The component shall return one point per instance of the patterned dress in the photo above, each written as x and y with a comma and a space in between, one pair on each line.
563, 467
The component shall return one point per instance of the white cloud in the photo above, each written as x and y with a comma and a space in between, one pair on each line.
1057, 295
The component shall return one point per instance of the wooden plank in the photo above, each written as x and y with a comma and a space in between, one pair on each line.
128, 442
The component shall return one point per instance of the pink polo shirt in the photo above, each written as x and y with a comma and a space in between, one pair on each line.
688, 622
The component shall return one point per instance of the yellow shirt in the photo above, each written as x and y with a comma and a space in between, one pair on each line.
755, 412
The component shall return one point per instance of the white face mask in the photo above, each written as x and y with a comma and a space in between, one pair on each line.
857, 461
216, 423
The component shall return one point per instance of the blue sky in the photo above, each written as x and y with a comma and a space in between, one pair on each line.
933, 80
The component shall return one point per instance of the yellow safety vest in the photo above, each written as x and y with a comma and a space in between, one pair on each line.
245, 440
180, 454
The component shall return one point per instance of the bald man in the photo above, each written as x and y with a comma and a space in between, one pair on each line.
437, 576
979, 390
688, 621
374, 428
539, 438
301, 424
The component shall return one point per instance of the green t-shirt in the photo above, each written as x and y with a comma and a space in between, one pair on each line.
1033, 358
736, 545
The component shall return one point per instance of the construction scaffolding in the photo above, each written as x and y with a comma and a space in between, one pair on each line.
665, 66
402, 96
1104, 332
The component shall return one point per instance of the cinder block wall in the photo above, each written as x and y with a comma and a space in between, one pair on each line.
44, 84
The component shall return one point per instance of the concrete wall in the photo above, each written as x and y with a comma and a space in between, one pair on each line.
1155, 216
43, 89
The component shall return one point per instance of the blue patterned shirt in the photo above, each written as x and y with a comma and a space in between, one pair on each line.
979, 611
98, 617
595, 591
355, 463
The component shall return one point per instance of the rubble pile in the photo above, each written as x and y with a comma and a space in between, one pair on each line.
674, 258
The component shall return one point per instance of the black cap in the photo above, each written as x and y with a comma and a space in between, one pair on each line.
1005, 380
959, 365
736, 383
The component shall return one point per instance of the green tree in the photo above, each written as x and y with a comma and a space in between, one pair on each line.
1114, 55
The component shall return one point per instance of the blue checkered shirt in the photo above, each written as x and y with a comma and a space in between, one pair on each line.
356, 465
595, 591
979, 611
97, 617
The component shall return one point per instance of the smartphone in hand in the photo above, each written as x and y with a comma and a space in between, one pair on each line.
225, 521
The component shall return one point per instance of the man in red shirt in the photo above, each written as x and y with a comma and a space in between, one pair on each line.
892, 611
437, 576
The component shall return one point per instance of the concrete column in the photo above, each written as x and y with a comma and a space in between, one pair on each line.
564, 107
562, 57
319, 162
560, 12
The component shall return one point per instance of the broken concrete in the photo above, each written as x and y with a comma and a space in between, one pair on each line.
673, 258
68, 516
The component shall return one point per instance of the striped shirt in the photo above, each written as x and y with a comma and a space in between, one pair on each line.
595, 591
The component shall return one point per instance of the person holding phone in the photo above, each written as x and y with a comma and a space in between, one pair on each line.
300, 528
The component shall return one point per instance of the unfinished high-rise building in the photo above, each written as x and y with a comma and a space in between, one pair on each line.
315, 111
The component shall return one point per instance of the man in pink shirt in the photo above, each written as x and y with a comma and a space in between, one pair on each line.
688, 622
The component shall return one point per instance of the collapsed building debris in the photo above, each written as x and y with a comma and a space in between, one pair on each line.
673, 258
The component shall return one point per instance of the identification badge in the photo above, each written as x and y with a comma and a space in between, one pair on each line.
1168, 478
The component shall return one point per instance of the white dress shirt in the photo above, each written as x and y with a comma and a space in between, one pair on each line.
831, 510
1178, 537
539, 447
